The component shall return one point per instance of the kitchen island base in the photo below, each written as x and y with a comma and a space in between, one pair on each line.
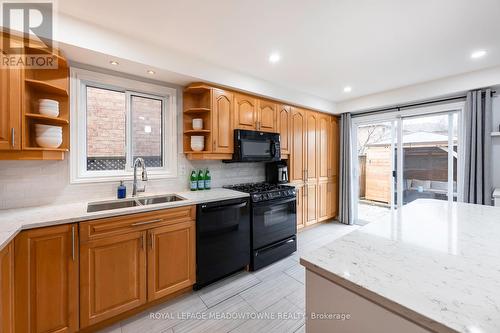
332, 308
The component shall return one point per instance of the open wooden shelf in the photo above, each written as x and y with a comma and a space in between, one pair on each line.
46, 149
47, 119
196, 110
197, 88
61, 61
46, 87
195, 132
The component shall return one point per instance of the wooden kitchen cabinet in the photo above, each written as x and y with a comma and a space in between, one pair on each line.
284, 129
10, 108
112, 276
46, 280
7, 289
324, 147
171, 259
300, 206
245, 112
129, 261
312, 145
222, 121
298, 145
327, 200
267, 114
255, 114
311, 204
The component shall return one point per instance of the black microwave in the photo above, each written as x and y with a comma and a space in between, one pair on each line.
255, 146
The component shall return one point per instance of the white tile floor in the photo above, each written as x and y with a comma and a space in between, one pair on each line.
245, 302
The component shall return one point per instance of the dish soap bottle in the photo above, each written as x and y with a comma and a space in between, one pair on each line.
193, 181
208, 180
201, 180
122, 191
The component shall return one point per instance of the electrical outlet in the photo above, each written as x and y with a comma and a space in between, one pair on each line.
182, 170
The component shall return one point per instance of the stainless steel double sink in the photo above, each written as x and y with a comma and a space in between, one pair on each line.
133, 202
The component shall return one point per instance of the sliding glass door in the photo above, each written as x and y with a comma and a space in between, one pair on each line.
403, 156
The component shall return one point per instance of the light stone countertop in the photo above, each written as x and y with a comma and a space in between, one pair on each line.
435, 263
12, 221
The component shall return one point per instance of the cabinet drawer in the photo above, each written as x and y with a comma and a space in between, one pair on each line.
97, 229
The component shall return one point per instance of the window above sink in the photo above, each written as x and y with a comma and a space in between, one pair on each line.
119, 120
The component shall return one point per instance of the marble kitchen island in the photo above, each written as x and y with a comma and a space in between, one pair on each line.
434, 267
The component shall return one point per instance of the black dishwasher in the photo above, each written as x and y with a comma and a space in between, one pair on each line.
222, 239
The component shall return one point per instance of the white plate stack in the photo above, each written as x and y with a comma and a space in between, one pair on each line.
48, 107
197, 142
48, 136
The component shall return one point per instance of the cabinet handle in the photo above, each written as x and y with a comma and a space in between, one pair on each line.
13, 136
146, 222
151, 240
73, 242
142, 242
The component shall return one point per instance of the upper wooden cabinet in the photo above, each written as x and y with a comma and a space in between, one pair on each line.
267, 114
255, 114
245, 112
46, 283
284, 128
328, 146
7, 289
312, 145
10, 109
222, 121
297, 163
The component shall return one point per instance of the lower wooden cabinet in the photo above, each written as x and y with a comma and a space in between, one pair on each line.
171, 259
112, 276
311, 204
46, 280
327, 200
129, 261
7, 289
300, 206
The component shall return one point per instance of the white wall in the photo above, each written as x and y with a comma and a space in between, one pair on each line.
34, 183
495, 157
424, 91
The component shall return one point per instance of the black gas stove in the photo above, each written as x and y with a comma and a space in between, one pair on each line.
273, 216
265, 191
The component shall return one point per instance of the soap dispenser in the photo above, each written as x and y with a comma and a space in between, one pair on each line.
122, 191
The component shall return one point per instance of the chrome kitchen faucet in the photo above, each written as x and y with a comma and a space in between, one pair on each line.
139, 162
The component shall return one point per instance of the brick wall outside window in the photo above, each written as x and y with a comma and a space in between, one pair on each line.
106, 124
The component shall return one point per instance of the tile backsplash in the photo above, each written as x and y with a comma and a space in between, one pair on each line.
34, 183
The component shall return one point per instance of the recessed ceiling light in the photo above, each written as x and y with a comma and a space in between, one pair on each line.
114, 63
274, 57
151, 72
478, 54
347, 89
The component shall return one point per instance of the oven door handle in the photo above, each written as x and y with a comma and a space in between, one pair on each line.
216, 208
275, 202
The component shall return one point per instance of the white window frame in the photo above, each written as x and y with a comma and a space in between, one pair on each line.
80, 79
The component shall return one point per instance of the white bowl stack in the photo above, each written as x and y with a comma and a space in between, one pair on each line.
48, 107
197, 142
48, 136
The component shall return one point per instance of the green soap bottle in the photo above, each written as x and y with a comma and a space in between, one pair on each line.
193, 181
201, 180
208, 180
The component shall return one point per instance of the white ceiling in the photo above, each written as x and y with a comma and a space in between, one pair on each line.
325, 45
